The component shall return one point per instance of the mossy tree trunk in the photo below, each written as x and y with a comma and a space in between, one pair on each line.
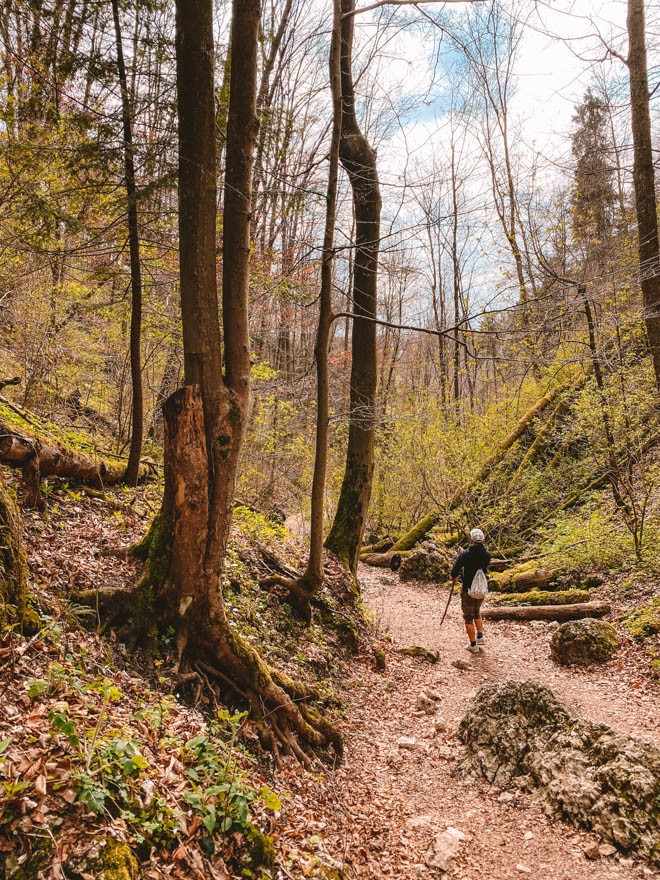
644, 180
39, 456
13, 564
359, 160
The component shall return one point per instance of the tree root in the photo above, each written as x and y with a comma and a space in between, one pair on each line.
284, 720
300, 589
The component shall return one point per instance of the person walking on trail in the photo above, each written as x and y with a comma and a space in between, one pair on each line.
474, 559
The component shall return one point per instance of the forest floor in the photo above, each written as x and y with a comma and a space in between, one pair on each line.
386, 803
377, 815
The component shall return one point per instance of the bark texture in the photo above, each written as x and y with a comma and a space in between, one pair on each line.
644, 179
205, 420
359, 160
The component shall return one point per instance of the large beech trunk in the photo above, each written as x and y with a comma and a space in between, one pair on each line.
359, 160
41, 456
205, 421
548, 612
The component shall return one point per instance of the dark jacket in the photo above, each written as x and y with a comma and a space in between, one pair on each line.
470, 561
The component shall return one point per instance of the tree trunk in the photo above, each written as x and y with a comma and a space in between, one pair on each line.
205, 421
644, 179
302, 589
13, 567
359, 161
137, 406
548, 612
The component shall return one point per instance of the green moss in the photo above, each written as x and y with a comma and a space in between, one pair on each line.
379, 656
260, 851
118, 862
643, 622
543, 597
421, 653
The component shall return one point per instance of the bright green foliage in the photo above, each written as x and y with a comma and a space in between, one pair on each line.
644, 622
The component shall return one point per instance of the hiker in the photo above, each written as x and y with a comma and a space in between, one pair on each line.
474, 559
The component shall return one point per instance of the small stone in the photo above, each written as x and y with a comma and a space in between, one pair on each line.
445, 753
627, 863
506, 797
461, 664
407, 742
439, 726
444, 848
433, 695
606, 849
523, 869
425, 704
592, 852
418, 821
529, 835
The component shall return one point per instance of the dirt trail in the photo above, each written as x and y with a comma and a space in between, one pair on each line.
390, 802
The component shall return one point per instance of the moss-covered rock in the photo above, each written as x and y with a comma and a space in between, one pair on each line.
583, 642
643, 622
519, 733
428, 562
108, 859
543, 597
420, 653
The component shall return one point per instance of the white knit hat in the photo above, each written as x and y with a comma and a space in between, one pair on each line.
477, 536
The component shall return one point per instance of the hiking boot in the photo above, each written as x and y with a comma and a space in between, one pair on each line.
473, 649
481, 641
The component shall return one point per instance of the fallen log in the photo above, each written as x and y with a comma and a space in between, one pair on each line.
548, 612
384, 560
39, 456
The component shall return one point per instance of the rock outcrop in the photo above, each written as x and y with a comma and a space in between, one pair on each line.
583, 642
428, 562
520, 734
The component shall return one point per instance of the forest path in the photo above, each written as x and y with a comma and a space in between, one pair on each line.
391, 802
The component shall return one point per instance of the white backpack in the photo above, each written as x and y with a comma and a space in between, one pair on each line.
479, 586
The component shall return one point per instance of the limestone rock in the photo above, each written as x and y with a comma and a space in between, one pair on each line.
428, 562
461, 664
444, 848
592, 852
586, 772
407, 742
421, 653
425, 704
584, 642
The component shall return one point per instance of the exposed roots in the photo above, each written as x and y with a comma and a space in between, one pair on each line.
300, 592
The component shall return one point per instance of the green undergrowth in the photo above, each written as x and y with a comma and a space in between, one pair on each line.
644, 622
75, 438
124, 754
265, 618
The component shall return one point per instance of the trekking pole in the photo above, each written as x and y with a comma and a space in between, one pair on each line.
451, 593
